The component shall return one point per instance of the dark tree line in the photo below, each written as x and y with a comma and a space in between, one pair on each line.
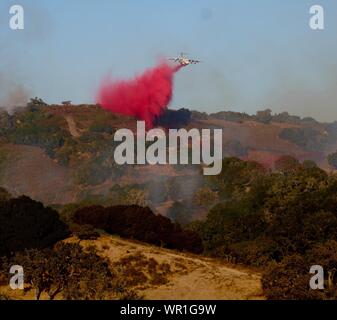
135, 222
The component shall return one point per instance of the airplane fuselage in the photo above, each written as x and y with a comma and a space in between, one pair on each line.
184, 61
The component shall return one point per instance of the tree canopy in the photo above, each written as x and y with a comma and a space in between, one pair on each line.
25, 224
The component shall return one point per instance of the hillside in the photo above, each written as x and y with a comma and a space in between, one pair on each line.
64, 154
189, 276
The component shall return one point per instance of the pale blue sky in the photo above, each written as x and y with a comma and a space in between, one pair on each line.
256, 54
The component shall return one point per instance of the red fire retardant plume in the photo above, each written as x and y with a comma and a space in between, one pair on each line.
145, 97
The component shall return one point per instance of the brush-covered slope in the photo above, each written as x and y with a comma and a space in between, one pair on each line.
63, 154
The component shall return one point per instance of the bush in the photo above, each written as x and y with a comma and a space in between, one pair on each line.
285, 117
25, 223
325, 255
236, 176
36, 102
138, 270
66, 270
306, 137
257, 252
135, 222
286, 164
264, 116
289, 280
86, 232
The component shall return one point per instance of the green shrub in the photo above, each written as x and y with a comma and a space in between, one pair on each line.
101, 128
289, 280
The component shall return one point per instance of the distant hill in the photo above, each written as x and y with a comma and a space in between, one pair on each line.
63, 154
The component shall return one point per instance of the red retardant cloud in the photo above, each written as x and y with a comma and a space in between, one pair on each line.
145, 97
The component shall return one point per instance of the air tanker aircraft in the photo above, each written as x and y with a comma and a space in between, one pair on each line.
183, 60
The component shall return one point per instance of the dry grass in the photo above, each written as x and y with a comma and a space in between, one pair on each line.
156, 273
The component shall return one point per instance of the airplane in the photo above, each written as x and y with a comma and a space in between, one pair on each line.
183, 60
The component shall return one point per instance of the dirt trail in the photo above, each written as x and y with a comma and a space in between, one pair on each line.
72, 126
